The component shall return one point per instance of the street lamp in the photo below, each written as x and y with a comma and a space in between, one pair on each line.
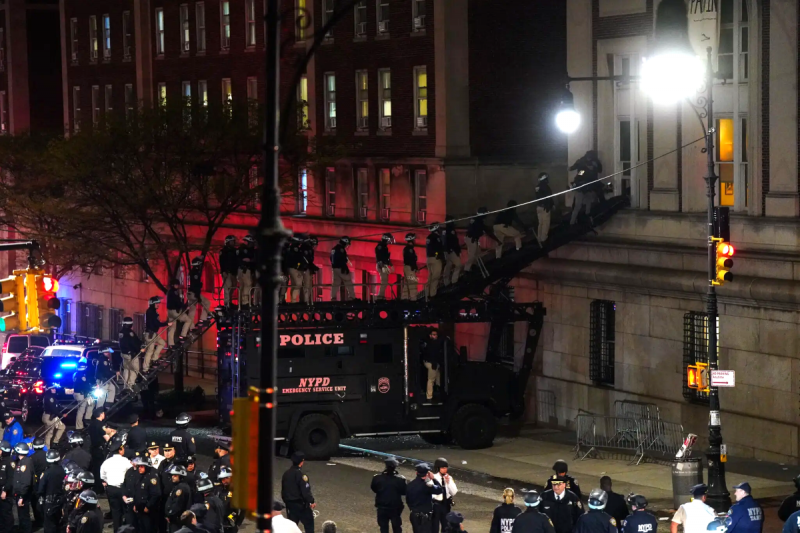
567, 119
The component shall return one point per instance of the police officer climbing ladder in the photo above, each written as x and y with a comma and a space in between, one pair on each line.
131, 347
195, 295
383, 263
154, 344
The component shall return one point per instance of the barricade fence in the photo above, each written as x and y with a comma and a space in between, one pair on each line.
639, 436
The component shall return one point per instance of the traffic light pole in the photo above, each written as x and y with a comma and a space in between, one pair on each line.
718, 496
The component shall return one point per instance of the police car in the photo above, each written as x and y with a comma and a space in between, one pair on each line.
23, 382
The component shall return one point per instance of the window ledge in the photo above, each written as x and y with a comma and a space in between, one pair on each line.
300, 44
419, 132
384, 133
360, 39
418, 33
106, 60
250, 49
382, 36
126, 59
184, 55
160, 57
225, 51
362, 133
200, 53
329, 132
327, 40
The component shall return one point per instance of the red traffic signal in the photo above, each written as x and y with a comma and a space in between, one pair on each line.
49, 284
726, 249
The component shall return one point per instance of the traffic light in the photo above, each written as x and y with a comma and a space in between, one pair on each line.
725, 252
15, 304
697, 376
47, 302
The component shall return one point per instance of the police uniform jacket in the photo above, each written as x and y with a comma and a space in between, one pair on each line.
137, 440
51, 485
228, 262
508, 217
39, 459
531, 521
212, 521
595, 521
82, 383
129, 341
339, 258
476, 228
746, 516
23, 479
563, 512
152, 323
616, 507
792, 524
192, 529
104, 370
639, 522
13, 434
382, 254
91, 522
213, 470
196, 280
572, 485
389, 488
543, 191
789, 506
179, 500
295, 487
504, 517
175, 300
419, 495
307, 255
410, 256
183, 442
7, 466
245, 255
50, 403
80, 457
294, 258
451, 242
164, 478
434, 249
97, 430
144, 490
433, 352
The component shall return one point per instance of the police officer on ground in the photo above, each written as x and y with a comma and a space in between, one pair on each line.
112, 473
23, 487
232, 517
561, 468
221, 458
296, 494
596, 520
154, 458
616, 507
131, 347
51, 491
212, 520
410, 268
308, 267
77, 454
176, 310
91, 520
342, 276
181, 439
434, 252
144, 494
792, 503
229, 268
246, 254
51, 416
419, 497
477, 229
506, 513
452, 252
99, 434
389, 488
544, 206
153, 342
83, 386
454, 523
179, 499
746, 514
195, 295
561, 505
442, 503
532, 520
383, 263
13, 432
8, 464
695, 515
137, 438
639, 521
39, 458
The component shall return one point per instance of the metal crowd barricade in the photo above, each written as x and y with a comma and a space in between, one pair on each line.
638, 435
632, 409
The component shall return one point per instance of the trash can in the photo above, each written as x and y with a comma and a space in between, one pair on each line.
686, 473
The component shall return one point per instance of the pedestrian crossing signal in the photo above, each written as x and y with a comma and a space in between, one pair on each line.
697, 377
725, 252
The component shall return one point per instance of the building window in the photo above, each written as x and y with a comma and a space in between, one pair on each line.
75, 44
202, 93
385, 98
330, 101
301, 18
95, 105
362, 192
418, 14
185, 36
732, 163
130, 99
76, 109
200, 21
362, 100
160, 31
383, 16
601, 341
385, 184
327, 14
361, 18
227, 92
421, 195
225, 22
302, 104
302, 191
93, 38
186, 89
106, 37
252, 89
3, 113
732, 58
127, 40
330, 191
108, 99
162, 94
695, 350
421, 97
250, 14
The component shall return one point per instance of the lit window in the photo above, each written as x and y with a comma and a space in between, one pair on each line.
383, 16
327, 14
250, 12
3, 113
362, 100
418, 15
301, 20
362, 192
421, 97
93, 38
160, 31
421, 195
109, 100
106, 37
202, 93
95, 104
385, 98
227, 93
361, 18
200, 21
185, 36
731, 158
130, 99
186, 90
330, 101
225, 21
76, 109
385, 183
127, 40
73, 31
330, 191
162, 94
734, 36
302, 104
302, 191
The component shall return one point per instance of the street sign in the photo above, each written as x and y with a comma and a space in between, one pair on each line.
723, 378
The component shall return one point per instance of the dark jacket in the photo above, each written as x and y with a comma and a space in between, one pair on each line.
175, 300
563, 513
137, 439
508, 217
90, 522
213, 519
418, 495
294, 258
410, 256
389, 488
144, 491
7, 466
228, 262
588, 169
129, 341
23, 485
307, 256
82, 383
339, 258
432, 351
434, 248
746, 516
477, 227
295, 486
451, 241
595, 521
80, 457
246, 256
382, 254
183, 442
50, 403
533, 521
178, 501
152, 323
504, 517
39, 458
789, 506
572, 485
543, 191
616, 507
639, 522
213, 470
51, 485
196, 280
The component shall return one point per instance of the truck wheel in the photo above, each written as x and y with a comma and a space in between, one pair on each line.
474, 427
317, 436
437, 438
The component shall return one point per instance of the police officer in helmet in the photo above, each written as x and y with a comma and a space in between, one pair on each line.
792, 503
179, 499
182, 439
215, 514
561, 468
154, 344
410, 269
23, 487
308, 268
389, 488
596, 520
7, 465
383, 263
143, 493
434, 252
639, 521
340, 265
77, 454
532, 520
561, 505
131, 347
39, 466
505, 514
51, 416
51, 491
296, 493
91, 520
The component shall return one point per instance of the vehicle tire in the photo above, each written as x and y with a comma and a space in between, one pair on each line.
437, 438
317, 436
474, 427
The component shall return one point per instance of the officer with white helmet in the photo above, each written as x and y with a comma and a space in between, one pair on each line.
77, 454
596, 520
182, 439
51, 490
179, 499
695, 515
532, 520
23, 487
91, 518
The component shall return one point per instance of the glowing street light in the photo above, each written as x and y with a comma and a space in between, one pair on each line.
567, 119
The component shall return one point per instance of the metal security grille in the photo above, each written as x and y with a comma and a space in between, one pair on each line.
114, 323
138, 324
695, 350
601, 341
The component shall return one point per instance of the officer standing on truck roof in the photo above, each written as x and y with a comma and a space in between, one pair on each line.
389, 488
419, 495
308, 267
229, 268
410, 269
452, 249
296, 494
434, 252
383, 263
561, 468
340, 265
246, 253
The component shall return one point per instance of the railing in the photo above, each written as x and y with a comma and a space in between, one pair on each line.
642, 436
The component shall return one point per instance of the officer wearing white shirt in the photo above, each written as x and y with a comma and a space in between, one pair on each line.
153, 457
112, 472
695, 515
442, 503
281, 524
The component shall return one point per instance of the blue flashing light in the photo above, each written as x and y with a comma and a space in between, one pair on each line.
69, 365
58, 375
